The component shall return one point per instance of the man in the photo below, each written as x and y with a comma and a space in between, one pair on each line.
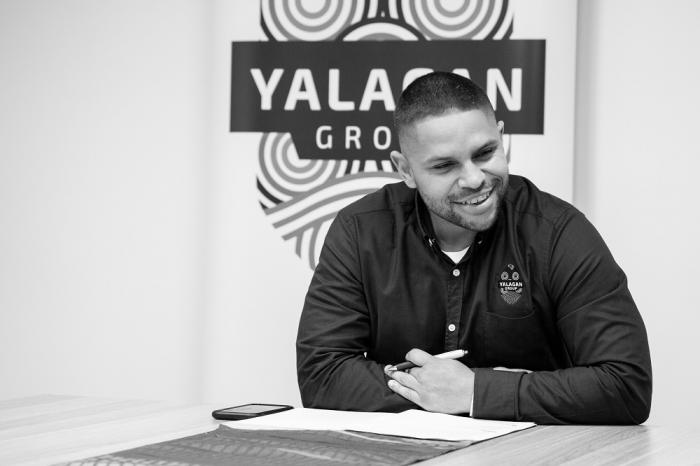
463, 256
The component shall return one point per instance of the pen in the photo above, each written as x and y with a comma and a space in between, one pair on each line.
456, 354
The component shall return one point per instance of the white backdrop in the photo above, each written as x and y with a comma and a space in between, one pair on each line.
103, 151
636, 173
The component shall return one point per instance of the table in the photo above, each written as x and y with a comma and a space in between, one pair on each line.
583, 445
49, 429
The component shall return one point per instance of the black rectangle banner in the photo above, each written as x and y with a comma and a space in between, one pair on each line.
316, 90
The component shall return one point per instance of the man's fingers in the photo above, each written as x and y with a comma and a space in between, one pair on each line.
405, 379
410, 395
418, 357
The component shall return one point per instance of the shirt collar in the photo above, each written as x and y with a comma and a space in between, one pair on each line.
425, 224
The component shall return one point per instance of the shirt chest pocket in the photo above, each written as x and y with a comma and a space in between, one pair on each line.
509, 296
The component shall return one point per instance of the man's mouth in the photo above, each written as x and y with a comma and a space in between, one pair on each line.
477, 199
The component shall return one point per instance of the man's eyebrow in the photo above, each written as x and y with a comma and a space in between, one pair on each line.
487, 146
438, 159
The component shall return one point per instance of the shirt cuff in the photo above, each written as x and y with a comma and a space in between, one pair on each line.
496, 394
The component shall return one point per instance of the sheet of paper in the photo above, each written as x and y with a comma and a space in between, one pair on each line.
422, 424
412, 423
310, 419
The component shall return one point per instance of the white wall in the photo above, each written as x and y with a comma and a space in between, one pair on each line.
102, 130
108, 183
637, 160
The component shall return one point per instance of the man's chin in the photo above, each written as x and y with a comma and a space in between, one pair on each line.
480, 225
482, 222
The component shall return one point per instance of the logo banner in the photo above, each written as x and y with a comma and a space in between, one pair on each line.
337, 99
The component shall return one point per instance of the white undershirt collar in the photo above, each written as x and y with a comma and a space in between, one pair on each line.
456, 256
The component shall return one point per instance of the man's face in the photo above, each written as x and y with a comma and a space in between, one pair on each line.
457, 163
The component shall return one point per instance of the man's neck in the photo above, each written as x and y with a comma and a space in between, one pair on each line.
451, 237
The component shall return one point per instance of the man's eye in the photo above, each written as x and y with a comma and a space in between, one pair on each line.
485, 155
443, 166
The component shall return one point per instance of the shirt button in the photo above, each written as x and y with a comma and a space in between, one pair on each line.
451, 327
455, 272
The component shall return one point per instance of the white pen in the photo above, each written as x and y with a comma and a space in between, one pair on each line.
456, 354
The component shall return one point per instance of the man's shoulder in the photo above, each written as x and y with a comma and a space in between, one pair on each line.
525, 199
391, 198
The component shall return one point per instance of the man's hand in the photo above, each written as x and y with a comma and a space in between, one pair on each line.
439, 385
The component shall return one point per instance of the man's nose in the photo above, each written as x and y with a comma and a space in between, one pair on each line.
471, 177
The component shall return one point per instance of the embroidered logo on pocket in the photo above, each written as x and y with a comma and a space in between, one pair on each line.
510, 285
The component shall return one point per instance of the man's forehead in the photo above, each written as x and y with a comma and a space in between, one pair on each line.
434, 121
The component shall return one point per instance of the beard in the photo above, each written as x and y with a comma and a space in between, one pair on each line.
448, 210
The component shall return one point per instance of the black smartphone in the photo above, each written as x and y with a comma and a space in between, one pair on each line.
236, 413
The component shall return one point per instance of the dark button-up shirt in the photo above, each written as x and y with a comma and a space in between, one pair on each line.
538, 291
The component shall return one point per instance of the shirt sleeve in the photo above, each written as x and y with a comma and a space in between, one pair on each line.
334, 334
610, 380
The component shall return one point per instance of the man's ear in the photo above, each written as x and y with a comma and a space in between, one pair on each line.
501, 129
404, 169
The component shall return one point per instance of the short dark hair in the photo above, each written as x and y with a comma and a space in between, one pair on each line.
436, 93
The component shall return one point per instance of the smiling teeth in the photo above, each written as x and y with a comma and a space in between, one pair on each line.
477, 200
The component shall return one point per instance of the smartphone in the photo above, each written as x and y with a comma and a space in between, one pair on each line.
236, 413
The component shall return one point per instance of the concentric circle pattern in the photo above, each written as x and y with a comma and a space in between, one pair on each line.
458, 19
379, 30
302, 197
309, 20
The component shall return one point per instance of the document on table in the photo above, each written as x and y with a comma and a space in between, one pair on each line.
412, 423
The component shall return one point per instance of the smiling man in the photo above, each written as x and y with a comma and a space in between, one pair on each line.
460, 255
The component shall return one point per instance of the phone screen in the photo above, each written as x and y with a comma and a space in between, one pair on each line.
250, 409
